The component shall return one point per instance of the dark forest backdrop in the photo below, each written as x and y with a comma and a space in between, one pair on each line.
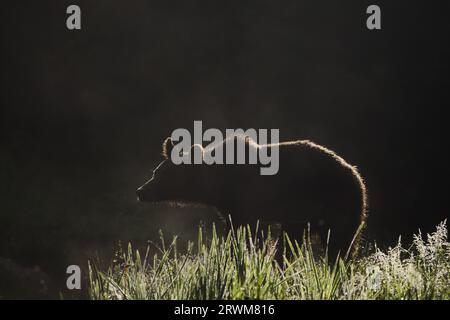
84, 113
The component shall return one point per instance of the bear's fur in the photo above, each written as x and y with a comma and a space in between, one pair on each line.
314, 186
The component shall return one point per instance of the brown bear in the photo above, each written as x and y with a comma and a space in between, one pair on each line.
314, 187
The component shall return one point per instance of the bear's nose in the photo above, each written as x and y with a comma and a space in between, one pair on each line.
139, 192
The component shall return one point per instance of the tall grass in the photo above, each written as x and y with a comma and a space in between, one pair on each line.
243, 265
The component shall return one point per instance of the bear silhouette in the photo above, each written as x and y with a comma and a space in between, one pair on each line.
314, 188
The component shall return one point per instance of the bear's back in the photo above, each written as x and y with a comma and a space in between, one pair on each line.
310, 187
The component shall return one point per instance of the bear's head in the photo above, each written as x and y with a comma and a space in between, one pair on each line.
175, 183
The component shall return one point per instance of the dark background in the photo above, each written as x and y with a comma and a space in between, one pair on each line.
84, 113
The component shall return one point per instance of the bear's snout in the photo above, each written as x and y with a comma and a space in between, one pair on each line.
140, 194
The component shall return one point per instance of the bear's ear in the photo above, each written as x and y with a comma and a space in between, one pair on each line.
167, 148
